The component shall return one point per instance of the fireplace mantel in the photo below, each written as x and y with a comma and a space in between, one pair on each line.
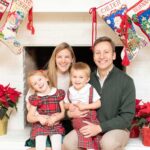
69, 5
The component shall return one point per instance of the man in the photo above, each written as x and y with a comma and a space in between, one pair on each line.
117, 93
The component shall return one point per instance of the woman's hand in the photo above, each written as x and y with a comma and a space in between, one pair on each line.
90, 129
42, 119
54, 119
72, 107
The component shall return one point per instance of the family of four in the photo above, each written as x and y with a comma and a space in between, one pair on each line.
100, 105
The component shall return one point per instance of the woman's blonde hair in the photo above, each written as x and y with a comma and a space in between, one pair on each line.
81, 66
36, 72
52, 68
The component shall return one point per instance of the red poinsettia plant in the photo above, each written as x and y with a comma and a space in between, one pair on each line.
142, 115
8, 99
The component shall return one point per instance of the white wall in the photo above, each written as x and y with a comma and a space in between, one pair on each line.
73, 25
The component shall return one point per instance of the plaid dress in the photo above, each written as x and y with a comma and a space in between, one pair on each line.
47, 105
92, 142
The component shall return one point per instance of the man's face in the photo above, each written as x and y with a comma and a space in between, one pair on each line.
104, 55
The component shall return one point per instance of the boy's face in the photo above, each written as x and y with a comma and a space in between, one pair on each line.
79, 79
39, 83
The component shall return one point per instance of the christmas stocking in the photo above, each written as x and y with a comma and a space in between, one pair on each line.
113, 14
140, 14
16, 15
3, 6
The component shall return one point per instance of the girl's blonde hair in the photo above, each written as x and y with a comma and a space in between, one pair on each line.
36, 72
81, 66
52, 68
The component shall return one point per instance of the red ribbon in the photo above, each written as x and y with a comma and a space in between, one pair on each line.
30, 22
92, 11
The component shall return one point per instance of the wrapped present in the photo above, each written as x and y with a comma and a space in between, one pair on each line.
146, 136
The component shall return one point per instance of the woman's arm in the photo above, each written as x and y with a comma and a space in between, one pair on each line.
32, 118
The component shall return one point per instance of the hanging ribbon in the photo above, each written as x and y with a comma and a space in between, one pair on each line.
30, 21
92, 11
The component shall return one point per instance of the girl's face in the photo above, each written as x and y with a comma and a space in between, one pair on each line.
79, 79
39, 83
63, 60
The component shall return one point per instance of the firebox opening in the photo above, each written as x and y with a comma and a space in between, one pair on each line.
40, 56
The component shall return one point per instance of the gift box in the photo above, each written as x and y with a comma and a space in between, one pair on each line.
146, 136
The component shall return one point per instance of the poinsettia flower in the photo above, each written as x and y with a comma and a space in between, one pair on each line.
4, 101
142, 115
8, 97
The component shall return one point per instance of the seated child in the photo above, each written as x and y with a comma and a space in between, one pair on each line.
46, 101
81, 95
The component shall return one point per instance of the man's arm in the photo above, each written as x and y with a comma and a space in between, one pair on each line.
126, 110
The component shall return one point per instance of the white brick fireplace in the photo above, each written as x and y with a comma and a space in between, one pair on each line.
57, 21
70, 22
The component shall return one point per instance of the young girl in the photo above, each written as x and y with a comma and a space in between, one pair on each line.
59, 74
81, 95
46, 101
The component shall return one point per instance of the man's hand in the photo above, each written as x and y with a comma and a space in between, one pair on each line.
90, 129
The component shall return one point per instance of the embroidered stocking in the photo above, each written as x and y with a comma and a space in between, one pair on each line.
113, 14
140, 14
16, 15
3, 6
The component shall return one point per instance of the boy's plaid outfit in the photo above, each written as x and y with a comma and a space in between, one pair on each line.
92, 142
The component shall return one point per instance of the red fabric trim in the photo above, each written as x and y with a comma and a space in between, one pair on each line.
92, 11
30, 21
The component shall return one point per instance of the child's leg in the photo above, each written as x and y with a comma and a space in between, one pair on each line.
35, 149
56, 141
40, 142
48, 148
31, 148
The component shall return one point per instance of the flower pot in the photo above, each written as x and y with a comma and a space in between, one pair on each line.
146, 136
3, 125
134, 132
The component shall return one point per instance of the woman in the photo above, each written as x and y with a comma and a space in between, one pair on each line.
59, 75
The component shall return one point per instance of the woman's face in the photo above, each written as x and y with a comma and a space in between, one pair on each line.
63, 60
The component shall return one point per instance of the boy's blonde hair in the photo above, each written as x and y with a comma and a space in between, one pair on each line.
36, 72
52, 68
81, 66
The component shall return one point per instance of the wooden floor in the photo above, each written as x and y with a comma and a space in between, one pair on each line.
15, 140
